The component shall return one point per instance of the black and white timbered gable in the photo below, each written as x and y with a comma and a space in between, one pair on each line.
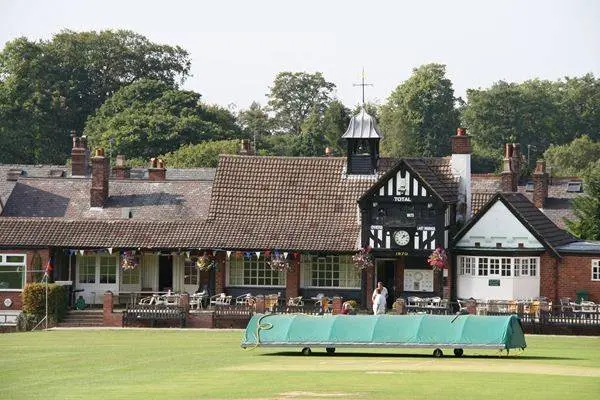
410, 210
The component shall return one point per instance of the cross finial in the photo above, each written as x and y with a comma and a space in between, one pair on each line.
363, 84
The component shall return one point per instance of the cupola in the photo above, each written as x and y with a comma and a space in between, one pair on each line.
362, 143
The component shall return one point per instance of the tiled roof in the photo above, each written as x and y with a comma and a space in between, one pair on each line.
437, 173
58, 232
558, 203
70, 198
530, 216
286, 203
537, 220
33, 171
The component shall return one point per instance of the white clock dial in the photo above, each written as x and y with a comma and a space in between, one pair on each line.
401, 238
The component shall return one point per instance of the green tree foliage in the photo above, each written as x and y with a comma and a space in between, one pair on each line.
535, 112
48, 88
574, 158
420, 115
204, 154
255, 123
586, 208
321, 130
294, 95
147, 118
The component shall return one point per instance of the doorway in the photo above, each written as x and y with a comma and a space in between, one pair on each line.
386, 270
165, 273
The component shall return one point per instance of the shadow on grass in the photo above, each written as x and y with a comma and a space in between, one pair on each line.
396, 355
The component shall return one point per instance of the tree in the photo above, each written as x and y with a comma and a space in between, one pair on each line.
321, 130
536, 112
294, 96
204, 154
255, 122
51, 87
587, 208
420, 115
574, 158
149, 117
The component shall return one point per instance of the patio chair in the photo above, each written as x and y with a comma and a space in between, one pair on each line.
295, 301
243, 299
197, 300
220, 300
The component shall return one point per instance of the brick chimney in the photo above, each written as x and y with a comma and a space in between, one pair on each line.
100, 172
80, 155
516, 164
245, 148
540, 184
460, 162
508, 183
120, 171
157, 171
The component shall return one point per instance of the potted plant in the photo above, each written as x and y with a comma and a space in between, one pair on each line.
438, 259
205, 262
278, 262
129, 260
363, 259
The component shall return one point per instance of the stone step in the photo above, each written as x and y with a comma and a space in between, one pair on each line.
78, 325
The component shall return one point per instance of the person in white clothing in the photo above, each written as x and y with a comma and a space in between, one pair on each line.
384, 292
378, 303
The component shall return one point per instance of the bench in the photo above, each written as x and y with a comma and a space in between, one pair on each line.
154, 313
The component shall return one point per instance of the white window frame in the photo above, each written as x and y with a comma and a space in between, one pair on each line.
503, 267
191, 273
595, 270
23, 271
348, 276
246, 265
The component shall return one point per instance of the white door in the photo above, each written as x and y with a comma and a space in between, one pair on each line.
95, 275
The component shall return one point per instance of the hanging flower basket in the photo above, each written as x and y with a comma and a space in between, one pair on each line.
205, 262
363, 259
129, 260
438, 259
279, 263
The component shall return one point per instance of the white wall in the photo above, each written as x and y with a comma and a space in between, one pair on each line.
499, 225
510, 288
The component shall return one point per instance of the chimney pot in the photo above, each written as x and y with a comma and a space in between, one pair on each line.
328, 151
120, 162
461, 131
100, 173
157, 171
99, 152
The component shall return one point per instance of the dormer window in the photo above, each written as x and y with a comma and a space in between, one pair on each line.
574, 187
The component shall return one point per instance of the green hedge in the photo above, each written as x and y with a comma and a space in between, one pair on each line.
34, 300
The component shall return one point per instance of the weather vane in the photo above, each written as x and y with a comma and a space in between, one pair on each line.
363, 84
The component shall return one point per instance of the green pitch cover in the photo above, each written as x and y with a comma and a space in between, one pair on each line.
421, 330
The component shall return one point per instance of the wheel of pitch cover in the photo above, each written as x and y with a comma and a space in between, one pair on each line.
306, 351
330, 350
438, 353
458, 352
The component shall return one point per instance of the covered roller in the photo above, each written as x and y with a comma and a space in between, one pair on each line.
422, 330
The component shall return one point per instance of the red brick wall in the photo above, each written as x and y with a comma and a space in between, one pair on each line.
292, 288
575, 274
15, 296
548, 276
220, 272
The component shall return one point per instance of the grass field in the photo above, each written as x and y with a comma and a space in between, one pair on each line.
209, 364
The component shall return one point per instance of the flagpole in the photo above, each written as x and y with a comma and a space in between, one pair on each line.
46, 301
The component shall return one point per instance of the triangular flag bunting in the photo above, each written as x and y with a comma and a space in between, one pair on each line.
258, 254
228, 254
110, 249
81, 252
285, 253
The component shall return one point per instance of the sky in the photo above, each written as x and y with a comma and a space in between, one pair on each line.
237, 47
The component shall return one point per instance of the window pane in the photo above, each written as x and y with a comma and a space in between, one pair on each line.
11, 277
15, 259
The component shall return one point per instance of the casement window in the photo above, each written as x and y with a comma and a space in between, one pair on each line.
466, 265
331, 271
191, 273
130, 276
494, 266
253, 271
12, 271
104, 265
596, 270
505, 266
498, 266
482, 266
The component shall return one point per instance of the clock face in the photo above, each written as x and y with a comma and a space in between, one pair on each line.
401, 238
